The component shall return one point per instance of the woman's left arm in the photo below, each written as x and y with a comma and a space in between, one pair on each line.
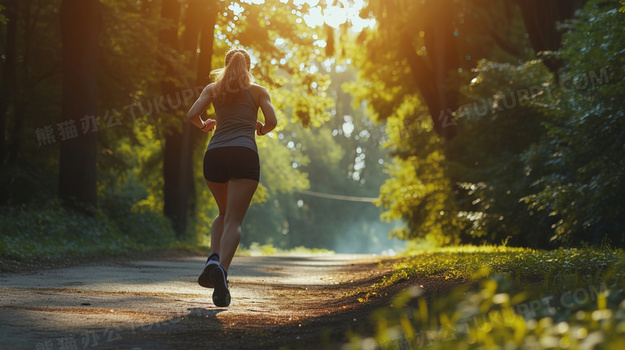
270, 115
199, 107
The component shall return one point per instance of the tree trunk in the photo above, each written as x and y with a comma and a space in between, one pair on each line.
176, 172
9, 78
8, 85
77, 173
179, 188
432, 74
199, 33
29, 17
442, 44
207, 38
541, 18
194, 16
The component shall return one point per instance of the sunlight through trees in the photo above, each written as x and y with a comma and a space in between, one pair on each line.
471, 121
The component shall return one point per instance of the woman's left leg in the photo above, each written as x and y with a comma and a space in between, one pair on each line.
220, 193
240, 193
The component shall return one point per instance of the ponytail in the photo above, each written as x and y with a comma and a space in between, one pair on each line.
234, 77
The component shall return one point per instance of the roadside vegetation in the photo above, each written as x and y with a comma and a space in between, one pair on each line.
49, 232
513, 297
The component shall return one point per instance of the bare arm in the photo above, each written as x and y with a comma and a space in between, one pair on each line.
198, 108
270, 115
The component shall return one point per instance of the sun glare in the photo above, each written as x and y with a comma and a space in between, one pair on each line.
321, 13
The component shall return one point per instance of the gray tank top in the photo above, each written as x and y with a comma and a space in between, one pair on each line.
236, 122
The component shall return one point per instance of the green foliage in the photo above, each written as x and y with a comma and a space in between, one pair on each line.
281, 166
297, 159
418, 192
256, 249
537, 166
427, 188
287, 55
339, 157
468, 189
134, 116
3, 18
584, 183
495, 128
537, 158
30, 102
507, 301
281, 175
50, 232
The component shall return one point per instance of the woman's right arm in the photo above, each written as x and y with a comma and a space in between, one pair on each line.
270, 115
198, 108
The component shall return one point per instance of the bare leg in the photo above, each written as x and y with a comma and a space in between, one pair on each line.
240, 193
217, 230
220, 193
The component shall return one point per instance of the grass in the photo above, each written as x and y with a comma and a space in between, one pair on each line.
256, 249
521, 264
506, 297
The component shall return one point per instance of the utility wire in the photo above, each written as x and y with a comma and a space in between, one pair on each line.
339, 197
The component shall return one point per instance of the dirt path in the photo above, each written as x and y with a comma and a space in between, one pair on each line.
291, 301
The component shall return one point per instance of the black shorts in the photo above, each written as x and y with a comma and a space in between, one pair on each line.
225, 163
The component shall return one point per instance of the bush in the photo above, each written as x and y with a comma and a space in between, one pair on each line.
50, 231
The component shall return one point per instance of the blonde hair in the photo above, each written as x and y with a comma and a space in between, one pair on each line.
234, 77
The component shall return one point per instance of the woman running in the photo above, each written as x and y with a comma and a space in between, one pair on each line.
231, 164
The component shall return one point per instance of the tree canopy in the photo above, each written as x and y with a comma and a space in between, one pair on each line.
471, 121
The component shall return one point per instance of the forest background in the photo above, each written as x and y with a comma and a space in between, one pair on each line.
468, 121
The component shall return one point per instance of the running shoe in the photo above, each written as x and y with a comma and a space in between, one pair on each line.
205, 278
221, 294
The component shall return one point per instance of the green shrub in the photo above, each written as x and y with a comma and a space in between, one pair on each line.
51, 231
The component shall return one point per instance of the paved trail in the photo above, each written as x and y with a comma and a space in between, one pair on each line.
157, 304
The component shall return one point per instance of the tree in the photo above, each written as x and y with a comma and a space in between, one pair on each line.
8, 85
9, 77
541, 19
416, 88
503, 120
435, 41
198, 21
528, 161
77, 165
580, 158
30, 94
